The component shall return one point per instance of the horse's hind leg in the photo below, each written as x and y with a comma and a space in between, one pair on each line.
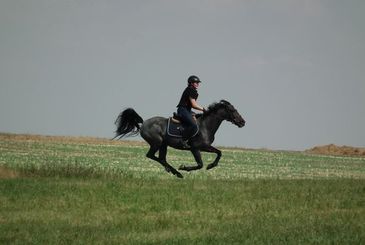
151, 153
162, 152
162, 159
198, 159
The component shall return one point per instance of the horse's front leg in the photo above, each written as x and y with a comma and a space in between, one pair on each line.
213, 150
198, 159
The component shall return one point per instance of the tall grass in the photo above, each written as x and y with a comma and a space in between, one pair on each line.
138, 211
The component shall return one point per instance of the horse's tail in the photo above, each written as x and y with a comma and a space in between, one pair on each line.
128, 123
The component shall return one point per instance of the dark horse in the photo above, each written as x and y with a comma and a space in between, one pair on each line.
153, 131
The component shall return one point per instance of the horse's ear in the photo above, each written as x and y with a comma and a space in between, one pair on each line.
225, 102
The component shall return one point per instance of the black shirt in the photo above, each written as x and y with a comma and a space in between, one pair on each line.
188, 93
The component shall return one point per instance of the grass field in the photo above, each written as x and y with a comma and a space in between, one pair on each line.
93, 191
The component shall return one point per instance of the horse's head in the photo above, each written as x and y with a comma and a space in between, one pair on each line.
229, 113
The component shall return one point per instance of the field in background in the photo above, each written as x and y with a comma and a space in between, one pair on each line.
93, 157
60, 190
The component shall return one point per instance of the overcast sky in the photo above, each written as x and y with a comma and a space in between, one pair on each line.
294, 69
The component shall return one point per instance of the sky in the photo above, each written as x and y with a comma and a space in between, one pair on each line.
294, 69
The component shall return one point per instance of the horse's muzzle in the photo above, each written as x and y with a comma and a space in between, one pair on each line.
241, 124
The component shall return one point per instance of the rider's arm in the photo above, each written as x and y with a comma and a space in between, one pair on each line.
195, 105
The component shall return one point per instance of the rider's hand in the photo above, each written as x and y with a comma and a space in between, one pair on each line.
204, 110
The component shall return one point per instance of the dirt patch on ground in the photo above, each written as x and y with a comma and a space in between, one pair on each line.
6, 173
337, 150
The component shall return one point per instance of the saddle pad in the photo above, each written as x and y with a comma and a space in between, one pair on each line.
175, 129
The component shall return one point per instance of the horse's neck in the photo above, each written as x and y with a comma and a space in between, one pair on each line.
212, 123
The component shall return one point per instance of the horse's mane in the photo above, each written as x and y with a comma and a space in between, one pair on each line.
212, 108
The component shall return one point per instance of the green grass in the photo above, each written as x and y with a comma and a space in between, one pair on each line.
109, 193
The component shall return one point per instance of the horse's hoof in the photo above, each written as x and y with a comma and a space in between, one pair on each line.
210, 166
182, 167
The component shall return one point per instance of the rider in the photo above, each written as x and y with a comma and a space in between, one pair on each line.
187, 102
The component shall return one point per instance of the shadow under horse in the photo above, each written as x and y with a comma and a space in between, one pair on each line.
154, 132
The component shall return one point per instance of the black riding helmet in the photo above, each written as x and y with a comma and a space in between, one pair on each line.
194, 79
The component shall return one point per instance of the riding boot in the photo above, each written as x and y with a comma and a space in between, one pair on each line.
185, 139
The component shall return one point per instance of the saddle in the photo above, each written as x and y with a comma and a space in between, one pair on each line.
175, 118
175, 127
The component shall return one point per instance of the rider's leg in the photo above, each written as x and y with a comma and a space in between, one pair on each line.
188, 122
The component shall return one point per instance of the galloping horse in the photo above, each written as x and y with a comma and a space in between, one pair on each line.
154, 132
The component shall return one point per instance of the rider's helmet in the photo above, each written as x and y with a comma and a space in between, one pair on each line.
194, 79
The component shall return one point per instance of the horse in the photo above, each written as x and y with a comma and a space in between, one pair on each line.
154, 132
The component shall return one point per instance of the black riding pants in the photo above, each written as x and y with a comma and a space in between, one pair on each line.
188, 122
